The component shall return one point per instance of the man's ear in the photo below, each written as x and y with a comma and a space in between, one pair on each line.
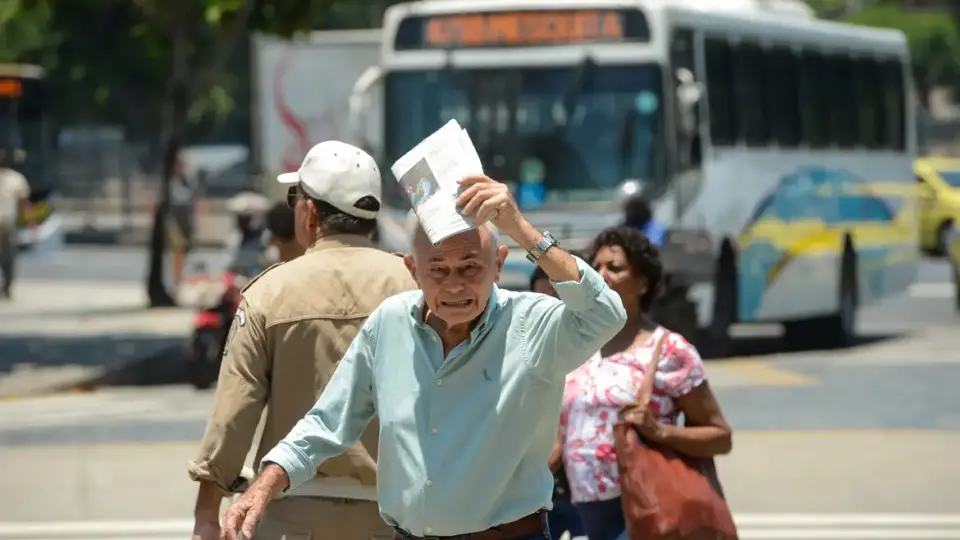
411, 267
502, 252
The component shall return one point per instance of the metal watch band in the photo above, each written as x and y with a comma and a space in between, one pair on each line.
546, 242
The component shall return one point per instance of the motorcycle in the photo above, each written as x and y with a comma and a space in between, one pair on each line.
216, 301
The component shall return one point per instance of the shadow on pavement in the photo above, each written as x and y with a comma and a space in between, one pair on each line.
123, 359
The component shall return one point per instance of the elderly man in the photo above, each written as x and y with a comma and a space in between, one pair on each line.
466, 379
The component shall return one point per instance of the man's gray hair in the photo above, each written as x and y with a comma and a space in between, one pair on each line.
413, 228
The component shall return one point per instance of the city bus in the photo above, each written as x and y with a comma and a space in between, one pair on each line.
25, 132
773, 146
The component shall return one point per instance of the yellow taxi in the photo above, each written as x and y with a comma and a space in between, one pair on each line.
938, 194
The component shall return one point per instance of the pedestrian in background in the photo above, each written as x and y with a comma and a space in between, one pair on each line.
466, 379
597, 391
281, 236
14, 203
293, 326
186, 203
638, 215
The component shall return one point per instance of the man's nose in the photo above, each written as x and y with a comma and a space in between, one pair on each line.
454, 283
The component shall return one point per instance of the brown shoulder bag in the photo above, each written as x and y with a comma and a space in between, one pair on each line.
665, 495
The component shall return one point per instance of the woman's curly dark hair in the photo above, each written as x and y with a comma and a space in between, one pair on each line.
643, 256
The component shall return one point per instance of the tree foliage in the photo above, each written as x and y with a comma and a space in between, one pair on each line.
933, 37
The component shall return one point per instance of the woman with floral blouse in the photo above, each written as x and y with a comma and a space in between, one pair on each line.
595, 392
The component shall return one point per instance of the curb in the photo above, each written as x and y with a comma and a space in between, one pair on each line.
94, 237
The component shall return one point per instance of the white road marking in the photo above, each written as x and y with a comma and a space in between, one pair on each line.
751, 527
97, 408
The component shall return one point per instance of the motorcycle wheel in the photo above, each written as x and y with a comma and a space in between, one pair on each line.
204, 366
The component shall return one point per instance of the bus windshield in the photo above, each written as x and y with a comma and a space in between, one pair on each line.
557, 134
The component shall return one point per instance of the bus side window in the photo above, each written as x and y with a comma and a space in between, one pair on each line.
782, 95
751, 85
866, 73
721, 99
814, 100
894, 104
843, 101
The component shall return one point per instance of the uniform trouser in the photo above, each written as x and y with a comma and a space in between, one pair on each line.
314, 518
8, 254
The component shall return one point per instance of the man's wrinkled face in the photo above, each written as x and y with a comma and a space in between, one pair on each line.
457, 276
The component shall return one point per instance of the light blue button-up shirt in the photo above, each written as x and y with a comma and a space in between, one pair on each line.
464, 439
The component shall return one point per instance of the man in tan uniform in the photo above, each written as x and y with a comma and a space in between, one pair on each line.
294, 324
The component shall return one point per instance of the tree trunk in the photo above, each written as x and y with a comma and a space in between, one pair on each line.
172, 142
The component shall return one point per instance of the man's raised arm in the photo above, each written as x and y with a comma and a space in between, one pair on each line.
562, 334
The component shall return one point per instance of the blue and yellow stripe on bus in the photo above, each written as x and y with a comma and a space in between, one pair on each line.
809, 213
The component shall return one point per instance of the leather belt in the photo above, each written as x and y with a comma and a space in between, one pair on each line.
526, 526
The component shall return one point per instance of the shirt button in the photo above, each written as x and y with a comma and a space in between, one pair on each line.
428, 530
433, 431
435, 338
439, 382
429, 483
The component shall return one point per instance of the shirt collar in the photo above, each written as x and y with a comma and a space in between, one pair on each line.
340, 241
486, 318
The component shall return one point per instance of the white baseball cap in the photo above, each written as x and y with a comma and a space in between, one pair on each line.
340, 174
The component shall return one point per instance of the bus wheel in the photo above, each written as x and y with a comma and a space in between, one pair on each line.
956, 283
943, 238
833, 331
715, 340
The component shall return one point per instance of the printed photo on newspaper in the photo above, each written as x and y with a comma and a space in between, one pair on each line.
429, 175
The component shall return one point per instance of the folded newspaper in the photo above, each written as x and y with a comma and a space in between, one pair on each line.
429, 175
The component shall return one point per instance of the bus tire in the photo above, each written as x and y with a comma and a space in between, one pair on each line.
943, 238
956, 284
839, 329
715, 340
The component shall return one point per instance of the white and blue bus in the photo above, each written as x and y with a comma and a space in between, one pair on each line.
774, 146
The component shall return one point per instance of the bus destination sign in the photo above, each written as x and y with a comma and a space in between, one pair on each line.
522, 28
10, 88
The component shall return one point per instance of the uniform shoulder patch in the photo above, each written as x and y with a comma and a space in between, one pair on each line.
260, 275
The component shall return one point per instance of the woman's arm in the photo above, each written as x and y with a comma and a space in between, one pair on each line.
705, 433
556, 457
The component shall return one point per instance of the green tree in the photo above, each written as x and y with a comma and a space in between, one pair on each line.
934, 42
203, 36
25, 32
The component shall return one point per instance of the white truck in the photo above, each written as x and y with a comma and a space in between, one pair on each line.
301, 91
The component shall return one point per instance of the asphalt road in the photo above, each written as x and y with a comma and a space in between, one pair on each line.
870, 430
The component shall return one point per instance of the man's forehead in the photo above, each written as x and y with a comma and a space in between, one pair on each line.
468, 245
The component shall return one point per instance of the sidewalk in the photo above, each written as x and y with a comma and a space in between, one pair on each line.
56, 335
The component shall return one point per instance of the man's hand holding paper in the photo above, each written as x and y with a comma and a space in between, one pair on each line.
485, 199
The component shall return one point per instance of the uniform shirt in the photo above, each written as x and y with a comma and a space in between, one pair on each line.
466, 437
13, 189
293, 327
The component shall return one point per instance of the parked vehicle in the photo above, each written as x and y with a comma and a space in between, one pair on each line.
216, 302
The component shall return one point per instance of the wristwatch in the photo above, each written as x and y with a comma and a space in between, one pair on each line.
546, 242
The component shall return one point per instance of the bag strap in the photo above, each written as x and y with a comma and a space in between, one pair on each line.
649, 380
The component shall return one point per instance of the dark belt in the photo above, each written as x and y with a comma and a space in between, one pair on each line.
526, 526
